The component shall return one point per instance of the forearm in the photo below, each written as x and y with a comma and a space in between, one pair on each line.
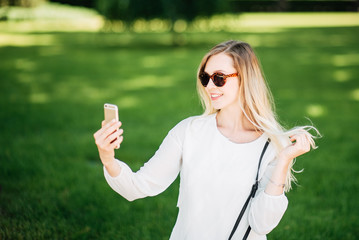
152, 178
300, 144
124, 183
276, 182
113, 168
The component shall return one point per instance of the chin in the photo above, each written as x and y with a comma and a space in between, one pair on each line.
217, 106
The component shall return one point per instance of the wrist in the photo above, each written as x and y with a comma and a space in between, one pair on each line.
283, 161
281, 185
108, 162
113, 168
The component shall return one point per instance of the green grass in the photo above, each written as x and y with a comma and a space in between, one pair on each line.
52, 90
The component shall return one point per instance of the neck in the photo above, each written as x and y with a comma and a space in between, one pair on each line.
233, 119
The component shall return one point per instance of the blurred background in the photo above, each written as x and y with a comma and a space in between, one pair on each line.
60, 61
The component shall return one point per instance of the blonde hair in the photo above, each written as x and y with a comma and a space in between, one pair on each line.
256, 100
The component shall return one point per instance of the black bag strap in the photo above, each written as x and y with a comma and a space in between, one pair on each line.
251, 195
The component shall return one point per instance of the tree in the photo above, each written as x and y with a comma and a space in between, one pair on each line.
130, 10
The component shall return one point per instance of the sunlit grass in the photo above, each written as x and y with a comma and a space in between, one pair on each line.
298, 20
315, 110
355, 94
350, 59
53, 86
23, 40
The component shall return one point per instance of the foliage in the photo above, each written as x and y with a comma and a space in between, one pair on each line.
130, 10
82, 3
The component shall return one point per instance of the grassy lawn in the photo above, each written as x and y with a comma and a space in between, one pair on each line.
52, 89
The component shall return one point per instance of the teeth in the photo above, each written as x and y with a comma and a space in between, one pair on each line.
215, 95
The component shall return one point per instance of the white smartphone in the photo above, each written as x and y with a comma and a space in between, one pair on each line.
111, 112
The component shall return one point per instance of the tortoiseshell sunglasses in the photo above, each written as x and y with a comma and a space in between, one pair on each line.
219, 79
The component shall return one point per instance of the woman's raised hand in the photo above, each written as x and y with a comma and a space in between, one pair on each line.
107, 139
300, 144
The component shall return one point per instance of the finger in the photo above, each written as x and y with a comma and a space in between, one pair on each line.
297, 137
111, 123
112, 137
104, 127
113, 128
111, 142
102, 134
303, 139
117, 143
99, 137
98, 133
302, 143
108, 129
293, 138
120, 131
299, 132
305, 143
299, 142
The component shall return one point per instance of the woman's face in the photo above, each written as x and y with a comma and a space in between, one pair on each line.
227, 95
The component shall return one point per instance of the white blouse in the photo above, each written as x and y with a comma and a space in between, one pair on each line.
216, 176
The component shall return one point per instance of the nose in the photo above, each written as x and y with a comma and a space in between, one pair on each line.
211, 84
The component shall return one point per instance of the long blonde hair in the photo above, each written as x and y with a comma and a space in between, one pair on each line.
256, 100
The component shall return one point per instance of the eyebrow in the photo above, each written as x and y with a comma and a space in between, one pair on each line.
217, 71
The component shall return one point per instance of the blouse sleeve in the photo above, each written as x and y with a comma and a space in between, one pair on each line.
155, 176
266, 210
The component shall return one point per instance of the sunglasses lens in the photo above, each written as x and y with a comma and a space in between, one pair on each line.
218, 80
204, 77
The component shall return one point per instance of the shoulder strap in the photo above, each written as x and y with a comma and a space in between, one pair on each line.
251, 195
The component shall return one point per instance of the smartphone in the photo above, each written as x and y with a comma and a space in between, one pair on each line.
111, 112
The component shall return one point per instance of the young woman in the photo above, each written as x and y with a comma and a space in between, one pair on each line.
217, 153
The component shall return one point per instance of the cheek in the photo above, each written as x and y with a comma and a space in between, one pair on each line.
206, 90
232, 88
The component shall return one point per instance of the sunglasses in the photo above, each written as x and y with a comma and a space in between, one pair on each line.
219, 79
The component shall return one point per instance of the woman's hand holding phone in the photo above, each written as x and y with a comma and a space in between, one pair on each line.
107, 139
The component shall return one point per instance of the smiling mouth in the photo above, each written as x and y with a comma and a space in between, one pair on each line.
215, 96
